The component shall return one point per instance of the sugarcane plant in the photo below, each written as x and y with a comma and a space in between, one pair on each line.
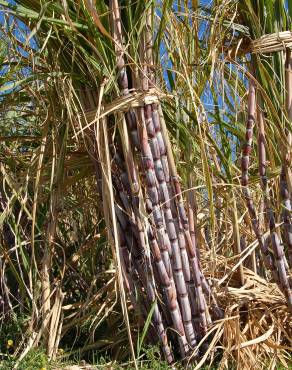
160, 251
276, 246
126, 184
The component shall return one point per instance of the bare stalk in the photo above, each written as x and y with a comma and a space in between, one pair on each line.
275, 241
246, 150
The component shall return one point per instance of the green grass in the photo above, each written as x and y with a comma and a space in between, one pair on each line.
151, 359
34, 360
150, 356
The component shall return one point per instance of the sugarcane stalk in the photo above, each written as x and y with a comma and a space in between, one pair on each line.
246, 150
157, 199
192, 209
287, 156
286, 173
236, 238
164, 181
168, 231
164, 199
132, 281
179, 255
130, 250
123, 83
182, 245
147, 161
149, 284
140, 247
286, 215
192, 216
132, 245
275, 241
196, 274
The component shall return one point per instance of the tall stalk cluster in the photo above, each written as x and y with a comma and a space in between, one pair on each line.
276, 246
158, 251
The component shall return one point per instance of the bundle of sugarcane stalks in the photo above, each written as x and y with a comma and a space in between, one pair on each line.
160, 268
276, 261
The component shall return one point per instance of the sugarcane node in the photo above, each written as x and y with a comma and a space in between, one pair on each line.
247, 151
147, 163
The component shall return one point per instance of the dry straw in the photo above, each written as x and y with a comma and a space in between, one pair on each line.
272, 43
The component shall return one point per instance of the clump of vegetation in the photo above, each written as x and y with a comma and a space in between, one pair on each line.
35, 359
145, 183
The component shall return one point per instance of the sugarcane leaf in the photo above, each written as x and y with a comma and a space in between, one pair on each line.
140, 340
92, 11
170, 79
26, 13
